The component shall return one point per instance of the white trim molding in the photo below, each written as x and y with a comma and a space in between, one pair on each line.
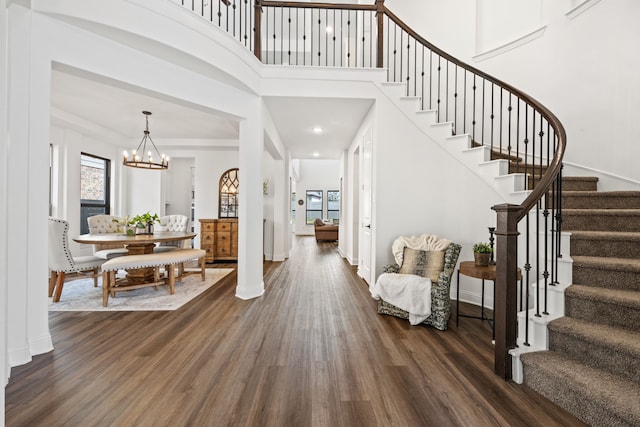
582, 7
511, 45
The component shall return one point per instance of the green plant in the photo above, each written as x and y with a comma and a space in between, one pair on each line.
144, 219
482, 248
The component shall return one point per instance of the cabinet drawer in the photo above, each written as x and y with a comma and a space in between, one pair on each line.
207, 238
208, 252
223, 226
207, 226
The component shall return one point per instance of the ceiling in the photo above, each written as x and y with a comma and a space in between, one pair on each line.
88, 102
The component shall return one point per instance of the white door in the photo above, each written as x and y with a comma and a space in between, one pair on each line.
364, 266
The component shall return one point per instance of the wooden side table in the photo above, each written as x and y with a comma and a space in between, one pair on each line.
469, 269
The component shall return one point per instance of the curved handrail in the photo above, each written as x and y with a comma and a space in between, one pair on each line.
554, 168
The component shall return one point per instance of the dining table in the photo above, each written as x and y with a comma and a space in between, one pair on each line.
138, 244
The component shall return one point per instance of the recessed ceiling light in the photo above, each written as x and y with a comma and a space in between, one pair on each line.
316, 154
329, 29
317, 129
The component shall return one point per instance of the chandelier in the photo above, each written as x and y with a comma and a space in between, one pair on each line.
143, 159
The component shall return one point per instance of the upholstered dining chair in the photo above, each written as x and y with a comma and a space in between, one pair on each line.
62, 262
171, 223
101, 224
440, 278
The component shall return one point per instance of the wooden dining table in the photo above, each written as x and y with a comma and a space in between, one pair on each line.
138, 244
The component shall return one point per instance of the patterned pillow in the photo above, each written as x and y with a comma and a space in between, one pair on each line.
422, 263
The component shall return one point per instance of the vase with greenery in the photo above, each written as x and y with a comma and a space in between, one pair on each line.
482, 253
144, 222
125, 225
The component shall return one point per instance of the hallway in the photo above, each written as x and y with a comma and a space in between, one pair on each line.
311, 352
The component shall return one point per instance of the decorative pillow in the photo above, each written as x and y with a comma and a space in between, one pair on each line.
422, 263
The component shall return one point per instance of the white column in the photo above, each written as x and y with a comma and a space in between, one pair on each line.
27, 191
250, 249
4, 366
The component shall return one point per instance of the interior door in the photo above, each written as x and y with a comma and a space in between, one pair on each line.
366, 160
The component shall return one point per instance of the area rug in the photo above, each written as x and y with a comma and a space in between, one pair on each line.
81, 295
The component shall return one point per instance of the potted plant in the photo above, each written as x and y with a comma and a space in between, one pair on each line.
144, 222
481, 253
126, 224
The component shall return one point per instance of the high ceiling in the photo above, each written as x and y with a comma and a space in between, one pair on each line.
85, 101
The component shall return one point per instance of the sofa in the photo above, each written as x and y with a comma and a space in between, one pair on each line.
325, 231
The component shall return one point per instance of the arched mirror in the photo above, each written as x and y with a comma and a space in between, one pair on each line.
228, 191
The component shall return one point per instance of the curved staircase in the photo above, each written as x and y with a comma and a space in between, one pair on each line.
592, 367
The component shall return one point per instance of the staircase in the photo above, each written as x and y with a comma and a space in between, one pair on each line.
592, 367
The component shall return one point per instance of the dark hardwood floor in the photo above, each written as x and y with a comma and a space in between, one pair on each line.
311, 352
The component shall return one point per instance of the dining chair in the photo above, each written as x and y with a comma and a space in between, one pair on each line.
62, 262
101, 224
172, 223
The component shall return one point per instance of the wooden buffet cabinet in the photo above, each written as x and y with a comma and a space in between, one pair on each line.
219, 238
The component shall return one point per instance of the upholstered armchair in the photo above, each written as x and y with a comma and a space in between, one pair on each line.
172, 223
325, 231
101, 224
440, 290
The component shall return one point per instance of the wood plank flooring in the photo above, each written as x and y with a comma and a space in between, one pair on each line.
311, 352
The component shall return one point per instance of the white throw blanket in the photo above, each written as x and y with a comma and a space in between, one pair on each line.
426, 242
408, 292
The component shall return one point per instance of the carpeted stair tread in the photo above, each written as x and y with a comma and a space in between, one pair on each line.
605, 347
620, 236
614, 307
601, 199
593, 395
579, 183
607, 272
620, 244
624, 298
601, 219
608, 263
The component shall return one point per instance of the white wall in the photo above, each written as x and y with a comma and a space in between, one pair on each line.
177, 188
314, 174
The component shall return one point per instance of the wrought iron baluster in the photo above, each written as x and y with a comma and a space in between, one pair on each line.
438, 100
422, 78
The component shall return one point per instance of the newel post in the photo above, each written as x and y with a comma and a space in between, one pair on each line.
257, 30
379, 49
506, 296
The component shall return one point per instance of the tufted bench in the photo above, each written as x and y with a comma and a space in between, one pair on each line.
165, 259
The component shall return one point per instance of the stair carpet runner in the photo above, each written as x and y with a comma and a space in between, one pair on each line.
592, 367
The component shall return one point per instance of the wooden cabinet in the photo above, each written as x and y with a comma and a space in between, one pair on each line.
219, 238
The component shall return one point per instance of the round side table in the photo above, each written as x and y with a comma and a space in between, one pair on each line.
469, 269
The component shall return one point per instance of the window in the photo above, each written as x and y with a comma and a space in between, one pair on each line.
333, 206
314, 205
95, 188
228, 191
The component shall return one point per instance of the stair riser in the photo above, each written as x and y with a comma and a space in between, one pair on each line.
600, 202
597, 222
573, 399
627, 365
603, 312
606, 278
612, 248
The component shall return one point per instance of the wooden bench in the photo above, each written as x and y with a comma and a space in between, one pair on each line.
111, 285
